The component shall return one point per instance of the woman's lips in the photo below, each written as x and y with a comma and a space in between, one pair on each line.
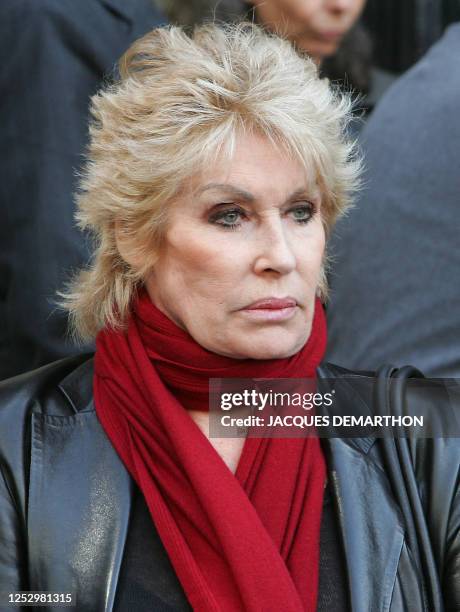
330, 36
271, 309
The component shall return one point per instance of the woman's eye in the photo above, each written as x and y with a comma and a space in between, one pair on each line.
227, 218
303, 213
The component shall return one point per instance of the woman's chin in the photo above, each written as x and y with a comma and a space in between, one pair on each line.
275, 348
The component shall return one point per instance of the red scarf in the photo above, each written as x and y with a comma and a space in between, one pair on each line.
243, 542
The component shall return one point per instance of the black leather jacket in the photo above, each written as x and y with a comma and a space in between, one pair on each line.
65, 501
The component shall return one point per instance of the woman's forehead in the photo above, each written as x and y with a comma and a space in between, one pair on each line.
255, 164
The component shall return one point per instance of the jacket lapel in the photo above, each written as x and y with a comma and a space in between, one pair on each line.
370, 521
371, 527
79, 503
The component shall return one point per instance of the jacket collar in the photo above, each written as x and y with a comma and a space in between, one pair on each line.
78, 386
135, 11
74, 449
121, 8
78, 389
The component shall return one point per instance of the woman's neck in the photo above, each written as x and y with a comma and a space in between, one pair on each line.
228, 449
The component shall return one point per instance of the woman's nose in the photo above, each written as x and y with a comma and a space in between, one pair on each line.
340, 6
275, 250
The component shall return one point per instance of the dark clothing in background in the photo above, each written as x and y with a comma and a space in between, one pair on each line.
396, 278
54, 56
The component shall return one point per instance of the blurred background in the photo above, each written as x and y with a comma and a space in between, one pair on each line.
401, 30
388, 38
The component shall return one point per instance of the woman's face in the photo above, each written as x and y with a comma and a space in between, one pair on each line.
242, 255
317, 26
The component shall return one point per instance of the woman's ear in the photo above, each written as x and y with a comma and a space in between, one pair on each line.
136, 252
125, 248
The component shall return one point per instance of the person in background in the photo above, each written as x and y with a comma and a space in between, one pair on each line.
55, 56
328, 30
315, 26
395, 279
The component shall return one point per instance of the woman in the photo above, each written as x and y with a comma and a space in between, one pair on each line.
217, 166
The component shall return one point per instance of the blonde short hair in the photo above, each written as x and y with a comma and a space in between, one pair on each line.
179, 103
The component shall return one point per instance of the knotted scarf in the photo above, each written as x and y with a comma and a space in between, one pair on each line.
247, 541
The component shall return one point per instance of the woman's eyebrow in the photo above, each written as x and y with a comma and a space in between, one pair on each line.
242, 194
302, 192
231, 189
